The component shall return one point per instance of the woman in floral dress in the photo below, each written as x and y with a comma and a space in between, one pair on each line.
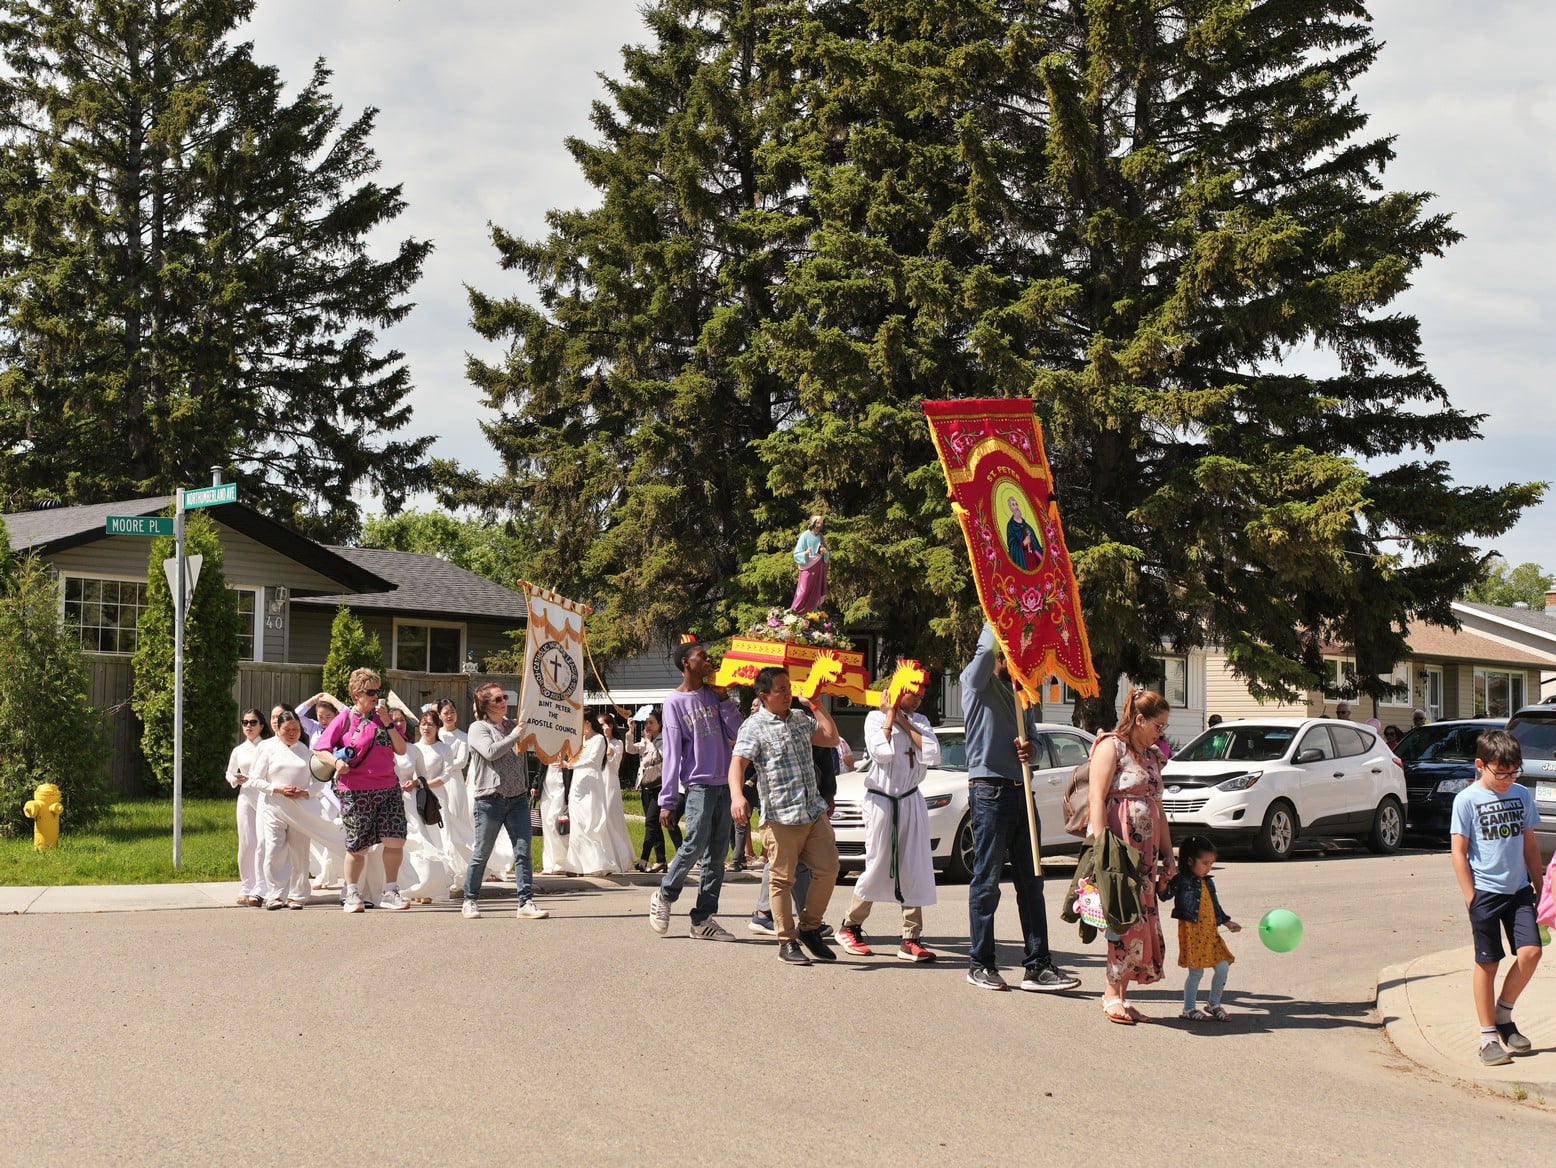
1126, 797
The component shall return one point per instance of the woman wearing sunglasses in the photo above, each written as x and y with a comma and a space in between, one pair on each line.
499, 782
239, 763
363, 745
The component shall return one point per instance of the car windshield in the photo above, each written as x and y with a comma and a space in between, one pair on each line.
1239, 743
1536, 735
1439, 744
953, 753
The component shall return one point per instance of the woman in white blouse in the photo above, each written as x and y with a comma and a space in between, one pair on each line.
589, 848
281, 776
239, 763
618, 838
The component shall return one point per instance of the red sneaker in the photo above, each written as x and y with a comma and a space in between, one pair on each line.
851, 938
912, 951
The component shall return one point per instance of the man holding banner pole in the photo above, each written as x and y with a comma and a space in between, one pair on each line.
999, 751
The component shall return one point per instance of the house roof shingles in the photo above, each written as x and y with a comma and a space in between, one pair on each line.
1543, 623
1435, 641
427, 586
55, 525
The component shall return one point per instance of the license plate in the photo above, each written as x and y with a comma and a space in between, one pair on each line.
1545, 792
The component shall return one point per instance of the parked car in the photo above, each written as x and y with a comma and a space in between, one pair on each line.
1058, 749
1535, 729
1439, 761
1273, 781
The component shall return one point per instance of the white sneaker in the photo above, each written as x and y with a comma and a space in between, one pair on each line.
392, 899
471, 909
529, 912
353, 903
658, 914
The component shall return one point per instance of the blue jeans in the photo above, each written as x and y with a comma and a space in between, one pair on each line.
708, 828
999, 826
1217, 984
492, 813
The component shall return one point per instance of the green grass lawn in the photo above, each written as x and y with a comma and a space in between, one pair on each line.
133, 844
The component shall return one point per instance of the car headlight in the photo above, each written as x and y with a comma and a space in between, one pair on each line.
937, 801
1451, 786
1240, 782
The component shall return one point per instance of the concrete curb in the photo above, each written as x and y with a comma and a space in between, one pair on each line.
1428, 1013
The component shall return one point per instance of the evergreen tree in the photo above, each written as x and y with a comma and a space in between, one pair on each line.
210, 666
49, 730
184, 277
350, 649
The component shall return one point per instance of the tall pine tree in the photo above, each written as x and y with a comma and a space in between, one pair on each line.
184, 275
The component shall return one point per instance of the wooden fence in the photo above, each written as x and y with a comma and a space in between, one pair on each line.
261, 684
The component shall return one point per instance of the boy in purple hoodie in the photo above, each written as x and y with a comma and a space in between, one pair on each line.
700, 724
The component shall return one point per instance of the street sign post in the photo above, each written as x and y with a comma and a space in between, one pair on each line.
188, 498
139, 525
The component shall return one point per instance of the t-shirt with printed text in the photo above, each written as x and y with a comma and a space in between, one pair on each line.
1494, 825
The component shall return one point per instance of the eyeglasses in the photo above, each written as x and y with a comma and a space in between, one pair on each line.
251, 721
1504, 775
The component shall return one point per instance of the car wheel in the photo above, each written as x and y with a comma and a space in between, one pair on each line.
958, 865
1388, 828
1278, 832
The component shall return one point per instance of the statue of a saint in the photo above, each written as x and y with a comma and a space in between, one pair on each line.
811, 554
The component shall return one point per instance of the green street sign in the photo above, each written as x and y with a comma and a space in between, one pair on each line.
139, 525
210, 496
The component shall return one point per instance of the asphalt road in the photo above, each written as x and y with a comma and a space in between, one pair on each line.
419, 1037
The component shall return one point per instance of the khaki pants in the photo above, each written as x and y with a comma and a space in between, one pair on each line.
912, 917
788, 845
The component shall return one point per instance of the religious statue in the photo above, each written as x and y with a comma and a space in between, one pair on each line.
811, 554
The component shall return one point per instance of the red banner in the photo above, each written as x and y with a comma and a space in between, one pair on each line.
1002, 493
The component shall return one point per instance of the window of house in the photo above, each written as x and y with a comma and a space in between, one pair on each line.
248, 624
1173, 677
1340, 676
1498, 692
1399, 678
429, 647
103, 613
1066, 694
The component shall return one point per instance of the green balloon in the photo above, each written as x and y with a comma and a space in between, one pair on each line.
1281, 930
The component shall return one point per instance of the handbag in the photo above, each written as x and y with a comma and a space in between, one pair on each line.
428, 806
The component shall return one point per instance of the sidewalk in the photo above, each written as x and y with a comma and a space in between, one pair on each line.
95, 898
1426, 1008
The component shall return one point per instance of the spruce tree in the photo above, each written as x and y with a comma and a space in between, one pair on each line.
350, 649
49, 730
210, 666
184, 275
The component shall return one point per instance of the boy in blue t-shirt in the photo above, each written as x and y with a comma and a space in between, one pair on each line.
1495, 856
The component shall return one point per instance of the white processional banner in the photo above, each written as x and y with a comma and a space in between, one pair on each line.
551, 703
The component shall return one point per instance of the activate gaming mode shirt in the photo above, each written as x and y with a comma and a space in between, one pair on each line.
1495, 825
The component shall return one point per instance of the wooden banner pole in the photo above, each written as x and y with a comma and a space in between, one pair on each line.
1026, 779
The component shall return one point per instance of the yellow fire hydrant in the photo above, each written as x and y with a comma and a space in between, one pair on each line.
44, 809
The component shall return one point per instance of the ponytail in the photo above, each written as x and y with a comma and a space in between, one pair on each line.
1144, 703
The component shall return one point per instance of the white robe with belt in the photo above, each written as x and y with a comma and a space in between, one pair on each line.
896, 768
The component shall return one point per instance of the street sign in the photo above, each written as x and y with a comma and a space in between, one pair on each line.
140, 525
191, 577
210, 496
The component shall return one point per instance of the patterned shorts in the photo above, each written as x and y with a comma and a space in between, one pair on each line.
370, 817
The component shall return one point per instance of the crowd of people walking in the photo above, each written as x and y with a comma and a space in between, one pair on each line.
347, 791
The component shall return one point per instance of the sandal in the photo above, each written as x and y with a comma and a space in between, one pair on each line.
1218, 1012
1194, 1015
1136, 1015
1122, 1015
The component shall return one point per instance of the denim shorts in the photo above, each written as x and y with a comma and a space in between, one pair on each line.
1495, 913
370, 817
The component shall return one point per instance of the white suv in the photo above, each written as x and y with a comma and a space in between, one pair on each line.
1271, 781
1058, 749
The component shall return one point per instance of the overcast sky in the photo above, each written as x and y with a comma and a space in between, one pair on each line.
477, 95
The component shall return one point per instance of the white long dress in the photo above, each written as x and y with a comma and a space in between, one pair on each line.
458, 810
424, 872
589, 848
249, 845
616, 810
896, 768
284, 848
553, 844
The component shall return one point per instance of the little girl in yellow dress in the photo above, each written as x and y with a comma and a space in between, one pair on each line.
1198, 912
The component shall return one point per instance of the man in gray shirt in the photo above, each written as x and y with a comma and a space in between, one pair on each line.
999, 823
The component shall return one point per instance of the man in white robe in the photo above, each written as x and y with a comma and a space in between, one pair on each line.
898, 865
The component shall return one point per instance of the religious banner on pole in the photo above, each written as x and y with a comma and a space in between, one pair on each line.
551, 702
1002, 493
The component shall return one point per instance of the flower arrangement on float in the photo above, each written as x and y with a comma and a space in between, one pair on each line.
786, 626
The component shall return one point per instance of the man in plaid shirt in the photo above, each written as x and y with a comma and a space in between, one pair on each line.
796, 828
